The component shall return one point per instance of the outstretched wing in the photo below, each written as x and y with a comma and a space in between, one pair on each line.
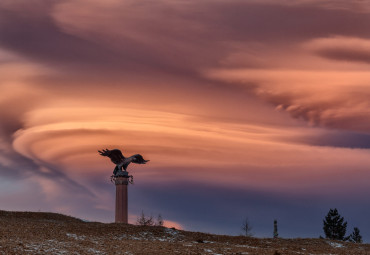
138, 159
115, 155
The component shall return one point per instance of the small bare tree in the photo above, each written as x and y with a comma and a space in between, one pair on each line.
159, 220
247, 228
143, 220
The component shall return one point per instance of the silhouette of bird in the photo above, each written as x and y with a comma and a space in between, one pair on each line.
117, 158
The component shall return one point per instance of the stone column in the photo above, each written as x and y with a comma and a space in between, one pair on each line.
121, 183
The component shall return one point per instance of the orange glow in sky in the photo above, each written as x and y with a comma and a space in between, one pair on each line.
244, 106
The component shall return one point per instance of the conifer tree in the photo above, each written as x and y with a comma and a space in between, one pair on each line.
276, 234
334, 226
355, 237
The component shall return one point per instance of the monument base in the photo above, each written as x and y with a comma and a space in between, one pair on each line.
121, 183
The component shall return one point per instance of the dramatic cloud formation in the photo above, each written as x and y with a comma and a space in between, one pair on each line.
245, 108
342, 48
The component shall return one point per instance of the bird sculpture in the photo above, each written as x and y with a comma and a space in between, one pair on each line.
117, 158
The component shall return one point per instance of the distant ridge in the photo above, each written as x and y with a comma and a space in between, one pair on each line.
38, 216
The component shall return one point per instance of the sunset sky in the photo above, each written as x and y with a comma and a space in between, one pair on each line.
245, 108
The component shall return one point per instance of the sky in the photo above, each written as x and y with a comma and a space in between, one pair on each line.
245, 108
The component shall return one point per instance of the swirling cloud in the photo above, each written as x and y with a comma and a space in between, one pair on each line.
342, 48
250, 102
320, 91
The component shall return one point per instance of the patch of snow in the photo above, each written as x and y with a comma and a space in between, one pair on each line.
165, 239
54, 249
76, 237
171, 231
121, 237
162, 239
335, 245
210, 251
135, 238
172, 236
246, 246
94, 251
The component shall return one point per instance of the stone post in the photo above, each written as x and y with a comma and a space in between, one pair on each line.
121, 183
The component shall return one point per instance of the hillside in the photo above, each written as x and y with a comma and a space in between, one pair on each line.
51, 233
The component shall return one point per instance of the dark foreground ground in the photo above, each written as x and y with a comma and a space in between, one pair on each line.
50, 233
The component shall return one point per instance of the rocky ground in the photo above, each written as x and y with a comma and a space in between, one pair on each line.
50, 233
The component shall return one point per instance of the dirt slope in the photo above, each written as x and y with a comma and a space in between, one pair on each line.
51, 233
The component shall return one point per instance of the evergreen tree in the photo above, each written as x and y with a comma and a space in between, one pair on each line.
334, 226
355, 237
276, 234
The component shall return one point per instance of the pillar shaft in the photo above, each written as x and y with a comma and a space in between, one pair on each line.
121, 200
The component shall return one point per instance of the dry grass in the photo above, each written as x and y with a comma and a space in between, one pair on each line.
51, 233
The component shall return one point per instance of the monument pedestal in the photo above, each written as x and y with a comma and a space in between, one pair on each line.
121, 183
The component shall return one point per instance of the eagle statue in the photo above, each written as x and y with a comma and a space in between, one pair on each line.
120, 161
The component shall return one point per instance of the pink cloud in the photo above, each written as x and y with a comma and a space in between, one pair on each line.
342, 48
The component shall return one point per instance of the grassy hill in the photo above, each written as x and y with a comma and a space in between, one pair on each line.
52, 233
